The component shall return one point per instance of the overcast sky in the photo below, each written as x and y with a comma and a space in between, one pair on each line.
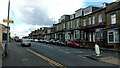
29, 15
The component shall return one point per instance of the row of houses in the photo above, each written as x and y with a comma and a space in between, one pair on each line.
88, 25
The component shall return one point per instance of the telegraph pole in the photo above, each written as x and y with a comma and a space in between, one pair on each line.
7, 28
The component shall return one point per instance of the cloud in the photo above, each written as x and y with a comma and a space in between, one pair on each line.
35, 16
23, 29
41, 12
32, 14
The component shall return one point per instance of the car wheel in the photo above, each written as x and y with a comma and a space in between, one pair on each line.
21, 45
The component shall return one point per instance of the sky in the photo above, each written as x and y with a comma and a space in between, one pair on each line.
29, 15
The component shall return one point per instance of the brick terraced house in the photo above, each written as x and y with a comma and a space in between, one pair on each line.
88, 25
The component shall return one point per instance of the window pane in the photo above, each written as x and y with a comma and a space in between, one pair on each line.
85, 35
89, 20
90, 37
111, 37
113, 18
84, 24
116, 36
82, 34
93, 20
100, 18
93, 37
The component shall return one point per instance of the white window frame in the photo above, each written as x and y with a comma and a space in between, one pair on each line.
84, 22
68, 25
77, 23
114, 36
99, 18
71, 24
78, 34
63, 25
93, 36
113, 18
90, 37
90, 22
93, 19
82, 35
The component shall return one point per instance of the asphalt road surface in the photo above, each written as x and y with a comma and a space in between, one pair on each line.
66, 56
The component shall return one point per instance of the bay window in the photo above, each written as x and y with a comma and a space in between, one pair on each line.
113, 36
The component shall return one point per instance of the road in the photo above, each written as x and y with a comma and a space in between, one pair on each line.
19, 56
66, 56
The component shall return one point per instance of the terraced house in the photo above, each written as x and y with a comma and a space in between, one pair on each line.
113, 24
89, 26
93, 24
61, 27
50, 33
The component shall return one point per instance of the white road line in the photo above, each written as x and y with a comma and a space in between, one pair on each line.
74, 52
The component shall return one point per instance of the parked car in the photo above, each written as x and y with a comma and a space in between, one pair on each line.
54, 42
41, 41
62, 43
57, 42
46, 41
74, 44
36, 40
51, 41
25, 42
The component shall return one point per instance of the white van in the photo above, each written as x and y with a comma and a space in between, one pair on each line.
25, 42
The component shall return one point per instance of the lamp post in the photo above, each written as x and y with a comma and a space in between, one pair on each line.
7, 28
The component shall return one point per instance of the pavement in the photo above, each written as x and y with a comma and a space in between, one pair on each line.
105, 57
106, 49
1, 52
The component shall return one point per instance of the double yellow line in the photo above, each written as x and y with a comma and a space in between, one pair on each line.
54, 63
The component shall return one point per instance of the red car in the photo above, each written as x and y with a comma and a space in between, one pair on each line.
74, 44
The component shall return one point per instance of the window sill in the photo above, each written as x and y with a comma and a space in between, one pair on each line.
113, 42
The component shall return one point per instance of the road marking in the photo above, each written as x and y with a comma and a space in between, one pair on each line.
74, 52
84, 57
60, 50
47, 59
24, 59
66, 49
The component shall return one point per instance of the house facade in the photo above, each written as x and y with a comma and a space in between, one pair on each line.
91, 25
113, 24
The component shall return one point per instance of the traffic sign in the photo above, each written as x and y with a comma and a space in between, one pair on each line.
8, 21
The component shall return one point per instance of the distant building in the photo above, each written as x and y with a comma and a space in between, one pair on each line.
3, 33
